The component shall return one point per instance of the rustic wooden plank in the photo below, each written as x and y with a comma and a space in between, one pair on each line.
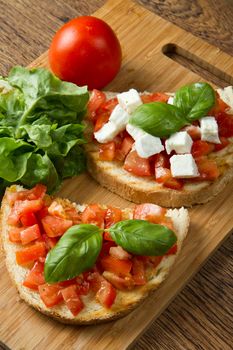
68, 337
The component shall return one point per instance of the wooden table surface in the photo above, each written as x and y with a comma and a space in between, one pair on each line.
201, 316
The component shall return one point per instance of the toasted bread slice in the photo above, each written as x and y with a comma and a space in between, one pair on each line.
93, 311
112, 176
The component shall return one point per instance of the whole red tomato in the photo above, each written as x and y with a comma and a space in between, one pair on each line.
85, 51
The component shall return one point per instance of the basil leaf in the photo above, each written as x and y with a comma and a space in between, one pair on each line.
195, 100
142, 237
76, 252
158, 119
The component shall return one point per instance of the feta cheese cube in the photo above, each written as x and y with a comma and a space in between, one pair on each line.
119, 117
106, 133
180, 142
184, 166
134, 131
129, 100
170, 101
209, 130
148, 145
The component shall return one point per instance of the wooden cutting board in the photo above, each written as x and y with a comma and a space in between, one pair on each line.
147, 42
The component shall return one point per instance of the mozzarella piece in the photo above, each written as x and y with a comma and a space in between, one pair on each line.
119, 117
134, 131
184, 166
170, 101
107, 132
129, 100
148, 145
180, 142
209, 130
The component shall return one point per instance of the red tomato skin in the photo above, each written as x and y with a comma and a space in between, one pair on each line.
225, 124
55, 226
35, 277
224, 143
201, 148
50, 294
172, 250
85, 51
93, 214
28, 219
151, 212
121, 283
125, 148
106, 295
72, 299
154, 97
137, 165
14, 234
96, 100
101, 119
207, 168
138, 272
30, 234
23, 207
31, 253
36, 192
107, 151
112, 216
117, 266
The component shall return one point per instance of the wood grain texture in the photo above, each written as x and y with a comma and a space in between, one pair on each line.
200, 317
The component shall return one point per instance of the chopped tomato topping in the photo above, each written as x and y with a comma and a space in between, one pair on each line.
155, 260
224, 143
193, 131
55, 226
101, 120
151, 212
138, 272
29, 219
124, 148
83, 286
119, 253
30, 254
155, 97
56, 209
106, 247
172, 250
96, 100
35, 277
72, 299
36, 192
201, 148
207, 168
174, 184
30, 234
94, 279
164, 176
50, 242
94, 214
110, 104
107, 236
162, 161
50, 294
42, 213
74, 215
107, 151
220, 106
137, 165
121, 283
225, 124
120, 267
23, 207
14, 234
106, 295
112, 216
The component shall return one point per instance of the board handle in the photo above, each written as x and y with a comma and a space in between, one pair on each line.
197, 65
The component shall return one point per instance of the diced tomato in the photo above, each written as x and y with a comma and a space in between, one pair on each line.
172, 250
94, 214
107, 236
96, 100
119, 253
83, 286
162, 161
112, 216
50, 242
125, 148
106, 247
23, 207
14, 234
50, 294
224, 143
137, 165
207, 168
72, 299
42, 213
174, 184
28, 219
74, 215
94, 279
35, 277
30, 254
151, 212
220, 106
164, 176
110, 104
30, 234
56, 209
121, 283
156, 260
106, 295
120, 267
225, 124
155, 97
36, 192
201, 148
107, 151
193, 131
55, 226
138, 272
101, 120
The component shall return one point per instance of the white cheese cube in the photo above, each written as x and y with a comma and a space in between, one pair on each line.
119, 117
184, 166
209, 130
134, 131
106, 133
170, 101
180, 142
148, 145
129, 100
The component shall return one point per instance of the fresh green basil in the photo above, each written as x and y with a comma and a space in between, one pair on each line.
142, 237
158, 119
76, 252
195, 100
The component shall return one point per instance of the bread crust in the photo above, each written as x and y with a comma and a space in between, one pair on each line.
93, 313
112, 176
